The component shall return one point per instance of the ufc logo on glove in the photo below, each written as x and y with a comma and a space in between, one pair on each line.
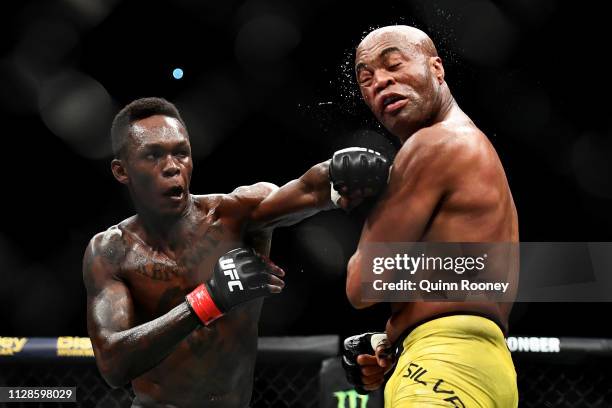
229, 269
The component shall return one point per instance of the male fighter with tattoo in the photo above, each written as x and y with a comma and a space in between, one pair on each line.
446, 185
173, 293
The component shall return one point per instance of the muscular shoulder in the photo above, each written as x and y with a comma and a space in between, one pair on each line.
109, 244
445, 149
103, 255
249, 197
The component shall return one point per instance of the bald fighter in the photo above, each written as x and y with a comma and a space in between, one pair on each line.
174, 293
446, 185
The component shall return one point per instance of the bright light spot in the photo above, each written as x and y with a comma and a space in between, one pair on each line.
177, 73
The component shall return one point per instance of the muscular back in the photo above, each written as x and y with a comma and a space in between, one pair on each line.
137, 281
447, 185
477, 205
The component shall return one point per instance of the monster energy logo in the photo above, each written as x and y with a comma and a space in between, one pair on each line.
352, 397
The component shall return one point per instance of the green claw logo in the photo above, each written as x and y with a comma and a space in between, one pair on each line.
352, 397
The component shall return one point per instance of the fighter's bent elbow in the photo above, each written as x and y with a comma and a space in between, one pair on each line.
112, 371
355, 300
115, 377
353, 284
114, 380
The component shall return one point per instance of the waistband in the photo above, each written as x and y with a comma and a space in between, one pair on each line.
398, 345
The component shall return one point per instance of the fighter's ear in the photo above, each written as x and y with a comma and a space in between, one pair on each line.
437, 68
119, 171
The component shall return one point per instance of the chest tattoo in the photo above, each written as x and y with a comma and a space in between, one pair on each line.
196, 248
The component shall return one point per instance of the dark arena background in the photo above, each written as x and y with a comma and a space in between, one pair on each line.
266, 91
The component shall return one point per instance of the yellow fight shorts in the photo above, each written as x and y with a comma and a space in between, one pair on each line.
453, 361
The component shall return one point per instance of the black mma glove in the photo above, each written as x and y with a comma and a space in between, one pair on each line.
365, 343
239, 276
358, 170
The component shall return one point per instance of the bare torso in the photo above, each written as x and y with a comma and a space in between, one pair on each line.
138, 273
213, 366
478, 207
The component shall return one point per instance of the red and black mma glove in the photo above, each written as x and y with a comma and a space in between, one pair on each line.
239, 276
357, 345
358, 170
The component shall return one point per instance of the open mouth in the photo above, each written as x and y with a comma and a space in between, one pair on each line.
175, 192
393, 102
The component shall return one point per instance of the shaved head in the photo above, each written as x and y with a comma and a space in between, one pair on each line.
401, 78
410, 37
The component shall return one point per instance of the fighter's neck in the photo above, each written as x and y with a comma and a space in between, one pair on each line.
448, 107
162, 231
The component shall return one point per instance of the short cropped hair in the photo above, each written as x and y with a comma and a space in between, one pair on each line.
134, 111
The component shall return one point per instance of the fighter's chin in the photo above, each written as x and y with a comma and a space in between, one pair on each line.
174, 207
402, 125
395, 125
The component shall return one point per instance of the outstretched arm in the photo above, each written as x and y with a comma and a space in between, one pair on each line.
355, 172
293, 202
